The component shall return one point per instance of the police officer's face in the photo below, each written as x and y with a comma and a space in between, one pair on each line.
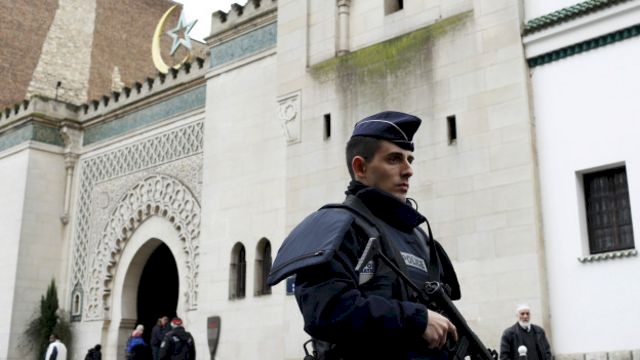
389, 170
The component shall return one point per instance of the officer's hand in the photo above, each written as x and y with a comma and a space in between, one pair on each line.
437, 329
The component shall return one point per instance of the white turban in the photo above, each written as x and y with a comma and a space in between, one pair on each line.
522, 307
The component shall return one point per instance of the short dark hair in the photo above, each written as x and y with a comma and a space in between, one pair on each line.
361, 146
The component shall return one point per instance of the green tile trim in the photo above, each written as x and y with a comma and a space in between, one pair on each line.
186, 101
244, 45
28, 132
600, 41
47, 134
568, 13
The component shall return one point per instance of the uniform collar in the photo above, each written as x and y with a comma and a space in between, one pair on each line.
387, 207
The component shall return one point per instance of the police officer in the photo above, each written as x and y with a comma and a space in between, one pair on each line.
370, 313
178, 343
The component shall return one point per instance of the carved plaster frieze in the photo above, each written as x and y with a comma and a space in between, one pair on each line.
163, 151
176, 152
157, 195
106, 194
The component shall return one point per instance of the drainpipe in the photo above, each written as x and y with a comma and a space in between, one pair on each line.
343, 27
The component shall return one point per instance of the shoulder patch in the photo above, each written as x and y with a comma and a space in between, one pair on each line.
367, 273
312, 242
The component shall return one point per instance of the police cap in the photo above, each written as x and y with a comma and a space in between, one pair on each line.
392, 126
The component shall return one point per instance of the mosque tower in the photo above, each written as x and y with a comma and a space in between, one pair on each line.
76, 50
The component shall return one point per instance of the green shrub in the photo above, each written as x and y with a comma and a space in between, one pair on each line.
50, 319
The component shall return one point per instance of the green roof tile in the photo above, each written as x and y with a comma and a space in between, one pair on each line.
587, 45
568, 13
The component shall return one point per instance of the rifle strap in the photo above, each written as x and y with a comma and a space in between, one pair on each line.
390, 249
372, 227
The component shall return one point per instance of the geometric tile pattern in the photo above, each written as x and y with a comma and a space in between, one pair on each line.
243, 46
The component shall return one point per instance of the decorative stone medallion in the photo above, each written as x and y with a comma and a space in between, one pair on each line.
289, 115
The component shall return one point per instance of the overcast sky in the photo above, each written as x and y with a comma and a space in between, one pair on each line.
201, 10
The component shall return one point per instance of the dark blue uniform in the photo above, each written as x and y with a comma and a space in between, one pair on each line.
372, 314
177, 344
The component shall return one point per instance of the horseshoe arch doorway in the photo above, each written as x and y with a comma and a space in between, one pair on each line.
158, 289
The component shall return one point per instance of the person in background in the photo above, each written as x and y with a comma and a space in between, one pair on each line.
157, 334
524, 333
56, 350
137, 348
94, 353
178, 344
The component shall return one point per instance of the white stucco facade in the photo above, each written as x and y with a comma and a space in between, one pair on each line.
14, 172
585, 111
243, 164
33, 242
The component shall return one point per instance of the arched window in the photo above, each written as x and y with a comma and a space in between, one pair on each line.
76, 303
237, 272
262, 268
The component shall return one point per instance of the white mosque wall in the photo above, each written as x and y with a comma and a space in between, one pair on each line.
370, 25
13, 176
244, 201
586, 115
32, 192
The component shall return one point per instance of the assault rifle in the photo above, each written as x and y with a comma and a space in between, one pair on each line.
433, 295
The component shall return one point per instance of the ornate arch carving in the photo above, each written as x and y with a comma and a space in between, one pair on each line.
156, 195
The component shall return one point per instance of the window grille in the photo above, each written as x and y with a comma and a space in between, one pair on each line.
608, 211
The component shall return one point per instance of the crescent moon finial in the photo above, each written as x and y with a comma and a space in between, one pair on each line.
155, 43
156, 56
